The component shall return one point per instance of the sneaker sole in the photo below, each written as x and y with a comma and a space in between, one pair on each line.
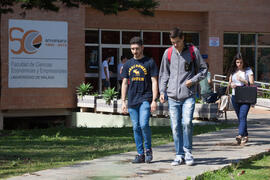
189, 163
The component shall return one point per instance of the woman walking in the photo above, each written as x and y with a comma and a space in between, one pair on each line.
240, 75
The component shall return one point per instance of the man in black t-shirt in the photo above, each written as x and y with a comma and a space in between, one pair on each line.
141, 72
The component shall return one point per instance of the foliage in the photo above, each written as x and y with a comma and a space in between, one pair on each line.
265, 93
198, 100
145, 7
95, 94
109, 94
84, 89
26, 151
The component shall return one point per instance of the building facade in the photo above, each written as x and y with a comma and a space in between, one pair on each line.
219, 29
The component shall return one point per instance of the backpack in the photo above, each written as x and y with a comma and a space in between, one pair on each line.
191, 50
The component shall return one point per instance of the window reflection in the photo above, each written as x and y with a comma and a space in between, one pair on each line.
192, 38
263, 64
247, 39
230, 39
229, 53
166, 38
91, 36
127, 35
248, 54
151, 38
91, 59
263, 39
110, 37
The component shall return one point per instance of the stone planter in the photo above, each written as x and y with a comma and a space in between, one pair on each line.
162, 109
114, 107
87, 101
208, 111
264, 102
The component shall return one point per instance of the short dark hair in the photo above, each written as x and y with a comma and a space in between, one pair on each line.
136, 40
176, 32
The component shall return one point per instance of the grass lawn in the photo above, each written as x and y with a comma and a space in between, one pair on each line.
256, 168
23, 151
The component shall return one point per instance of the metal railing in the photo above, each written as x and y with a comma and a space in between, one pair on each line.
219, 80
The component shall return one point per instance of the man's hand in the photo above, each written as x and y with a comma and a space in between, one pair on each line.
153, 106
162, 98
188, 83
124, 107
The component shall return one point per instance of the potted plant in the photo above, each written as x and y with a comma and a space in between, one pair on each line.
109, 102
84, 97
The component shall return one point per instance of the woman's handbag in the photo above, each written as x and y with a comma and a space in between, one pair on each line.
225, 101
246, 94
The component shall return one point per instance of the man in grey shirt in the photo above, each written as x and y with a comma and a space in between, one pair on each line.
182, 67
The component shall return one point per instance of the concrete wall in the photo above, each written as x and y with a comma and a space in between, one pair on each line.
94, 120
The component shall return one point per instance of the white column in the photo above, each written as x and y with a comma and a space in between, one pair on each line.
1, 122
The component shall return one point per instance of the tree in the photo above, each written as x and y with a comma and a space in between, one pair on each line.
145, 7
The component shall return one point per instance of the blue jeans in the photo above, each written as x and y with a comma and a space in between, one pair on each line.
181, 115
241, 111
140, 120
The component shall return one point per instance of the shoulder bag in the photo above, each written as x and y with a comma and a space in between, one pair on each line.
225, 100
246, 94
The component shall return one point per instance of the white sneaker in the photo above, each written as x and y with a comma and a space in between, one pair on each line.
177, 161
189, 159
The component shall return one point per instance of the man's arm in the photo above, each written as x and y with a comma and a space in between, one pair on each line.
124, 93
155, 93
201, 67
106, 73
164, 74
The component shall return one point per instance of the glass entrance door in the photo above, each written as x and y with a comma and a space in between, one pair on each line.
114, 54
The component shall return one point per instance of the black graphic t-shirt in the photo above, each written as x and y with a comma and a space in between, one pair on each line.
139, 73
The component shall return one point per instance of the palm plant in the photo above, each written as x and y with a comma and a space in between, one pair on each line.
84, 89
109, 94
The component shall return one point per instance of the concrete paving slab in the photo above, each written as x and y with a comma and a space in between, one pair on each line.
211, 151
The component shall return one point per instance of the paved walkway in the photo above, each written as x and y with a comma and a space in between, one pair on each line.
211, 151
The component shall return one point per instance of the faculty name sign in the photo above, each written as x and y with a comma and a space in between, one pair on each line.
38, 52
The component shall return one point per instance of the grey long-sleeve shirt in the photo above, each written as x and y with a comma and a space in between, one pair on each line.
173, 75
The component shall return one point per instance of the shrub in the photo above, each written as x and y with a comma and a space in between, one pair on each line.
84, 89
109, 94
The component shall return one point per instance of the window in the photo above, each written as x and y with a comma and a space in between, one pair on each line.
166, 38
248, 54
230, 39
100, 44
229, 53
110, 37
192, 38
263, 39
251, 51
91, 59
263, 64
247, 39
189, 38
127, 35
91, 36
152, 38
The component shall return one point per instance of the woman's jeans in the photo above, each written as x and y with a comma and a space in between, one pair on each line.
140, 119
181, 115
241, 112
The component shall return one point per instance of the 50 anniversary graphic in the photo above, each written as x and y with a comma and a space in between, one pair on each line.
38, 53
